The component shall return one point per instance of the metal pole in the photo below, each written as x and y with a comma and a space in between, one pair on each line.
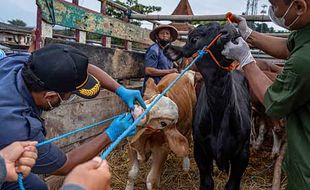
262, 18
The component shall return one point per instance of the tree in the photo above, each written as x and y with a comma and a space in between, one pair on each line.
17, 22
133, 5
263, 28
222, 23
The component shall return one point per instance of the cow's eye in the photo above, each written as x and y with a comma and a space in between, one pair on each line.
163, 124
194, 40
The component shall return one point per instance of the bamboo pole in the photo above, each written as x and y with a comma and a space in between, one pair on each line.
282, 35
262, 18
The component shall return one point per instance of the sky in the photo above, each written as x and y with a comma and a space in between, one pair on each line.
26, 9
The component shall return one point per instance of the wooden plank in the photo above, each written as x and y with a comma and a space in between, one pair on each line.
47, 30
80, 113
120, 64
72, 16
82, 37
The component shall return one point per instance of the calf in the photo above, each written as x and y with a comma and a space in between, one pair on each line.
260, 118
167, 127
222, 121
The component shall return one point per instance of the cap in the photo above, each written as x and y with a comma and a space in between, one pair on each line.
155, 31
62, 68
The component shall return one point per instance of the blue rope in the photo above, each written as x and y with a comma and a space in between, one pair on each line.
128, 130
20, 182
20, 176
75, 131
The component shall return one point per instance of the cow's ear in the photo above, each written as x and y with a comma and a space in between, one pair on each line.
173, 52
150, 89
176, 141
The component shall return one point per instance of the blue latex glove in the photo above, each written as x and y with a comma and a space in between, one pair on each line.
119, 125
130, 96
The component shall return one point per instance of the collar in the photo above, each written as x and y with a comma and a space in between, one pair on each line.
25, 93
206, 50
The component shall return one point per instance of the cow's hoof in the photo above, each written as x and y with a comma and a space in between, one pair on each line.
149, 186
186, 164
129, 186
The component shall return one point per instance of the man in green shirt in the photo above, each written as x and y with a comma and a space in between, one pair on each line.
289, 95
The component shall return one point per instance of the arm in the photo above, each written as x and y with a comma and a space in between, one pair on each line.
262, 41
151, 64
268, 43
258, 81
106, 81
84, 153
92, 148
158, 72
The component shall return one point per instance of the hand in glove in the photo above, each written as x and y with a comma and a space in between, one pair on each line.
239, 52
244, 30
130, 96
119, 125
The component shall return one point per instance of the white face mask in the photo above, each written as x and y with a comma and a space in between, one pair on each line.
281, 21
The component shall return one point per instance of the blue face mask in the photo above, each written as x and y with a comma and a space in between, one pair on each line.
281, 21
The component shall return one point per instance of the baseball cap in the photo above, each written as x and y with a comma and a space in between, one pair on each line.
62, 68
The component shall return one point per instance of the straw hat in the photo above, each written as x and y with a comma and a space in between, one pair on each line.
155, 31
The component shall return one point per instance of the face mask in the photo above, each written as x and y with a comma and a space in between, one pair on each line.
49, 103
164, 42
70, 99
281, 21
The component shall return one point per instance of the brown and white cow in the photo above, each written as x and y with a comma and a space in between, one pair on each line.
166, 128
261, 120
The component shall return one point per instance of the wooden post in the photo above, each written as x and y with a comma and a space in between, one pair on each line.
44, 30
106, 41
127, 44
77, 32
39, 29
47, 30
82, 37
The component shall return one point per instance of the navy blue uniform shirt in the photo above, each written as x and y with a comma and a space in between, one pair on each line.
154, 57
20, 118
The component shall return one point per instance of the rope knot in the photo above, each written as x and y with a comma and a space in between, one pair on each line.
201, 53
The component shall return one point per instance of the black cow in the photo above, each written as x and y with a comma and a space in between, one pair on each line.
222, 122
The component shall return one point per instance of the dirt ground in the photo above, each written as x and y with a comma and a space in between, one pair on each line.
258, 175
